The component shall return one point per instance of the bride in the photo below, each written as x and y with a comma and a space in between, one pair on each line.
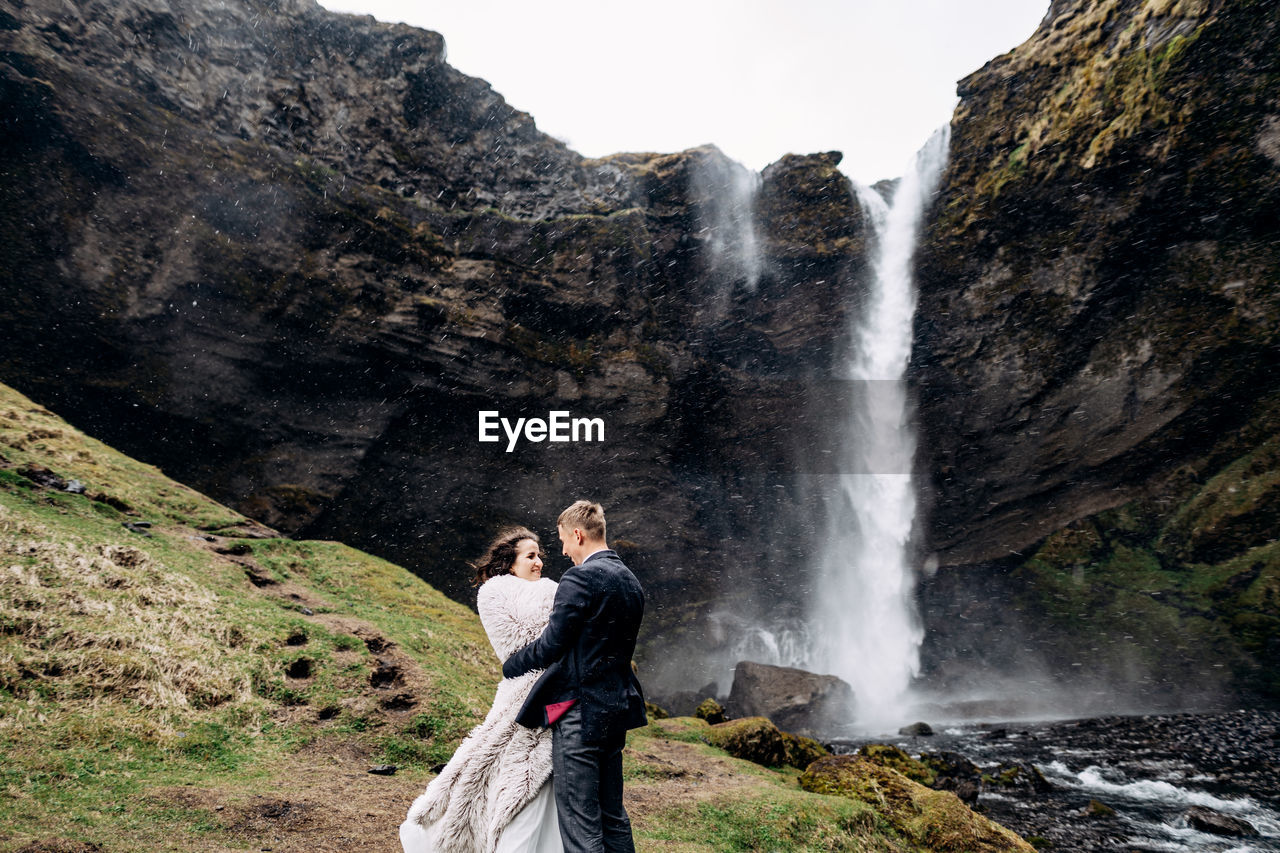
495, 795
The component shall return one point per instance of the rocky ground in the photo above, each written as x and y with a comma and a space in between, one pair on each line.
1125, 783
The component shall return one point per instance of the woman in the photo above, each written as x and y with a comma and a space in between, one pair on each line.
495, 794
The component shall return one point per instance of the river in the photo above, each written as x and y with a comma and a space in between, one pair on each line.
1148, 769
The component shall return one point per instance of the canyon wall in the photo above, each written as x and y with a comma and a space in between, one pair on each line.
289, 255
1096, 344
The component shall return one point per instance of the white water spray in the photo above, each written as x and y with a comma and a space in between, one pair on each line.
864, 622
727, 224
734, 243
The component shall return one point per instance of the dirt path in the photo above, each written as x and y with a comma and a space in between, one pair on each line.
324, 800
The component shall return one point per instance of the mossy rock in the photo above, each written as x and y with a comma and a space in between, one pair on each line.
685, 729
805, 208
1233, 512
655, 712
1099, 809
1018, 776
754, 739
933, 820
711, 711
896, 759
1075, 544
802, 751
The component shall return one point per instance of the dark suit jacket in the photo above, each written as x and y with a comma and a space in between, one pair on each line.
587, 648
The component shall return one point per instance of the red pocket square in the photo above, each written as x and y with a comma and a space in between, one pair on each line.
556, 710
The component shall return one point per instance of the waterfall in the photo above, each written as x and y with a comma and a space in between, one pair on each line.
733, 244
862, 616
727, 192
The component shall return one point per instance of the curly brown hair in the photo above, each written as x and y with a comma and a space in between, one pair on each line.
501, 554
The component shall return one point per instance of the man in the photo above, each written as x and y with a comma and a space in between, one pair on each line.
589, 692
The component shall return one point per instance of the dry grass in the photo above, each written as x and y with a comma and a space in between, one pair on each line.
93, 619
1108, 88
32, 434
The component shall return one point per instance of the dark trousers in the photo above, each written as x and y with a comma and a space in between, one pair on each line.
588, 782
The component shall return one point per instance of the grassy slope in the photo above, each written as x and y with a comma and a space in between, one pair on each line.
131, 666
213, 687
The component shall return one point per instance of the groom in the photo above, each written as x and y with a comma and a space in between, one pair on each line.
589, 691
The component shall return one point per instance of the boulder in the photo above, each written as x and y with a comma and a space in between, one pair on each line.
1098, 809
895, 759
1026, 776
966, 790
655, 712
951, 764
917, 730
758, 740
711, 711
955, 773
802, 751
931, 820
43, 477
794, 699
1208, 820
754, 739
942, 771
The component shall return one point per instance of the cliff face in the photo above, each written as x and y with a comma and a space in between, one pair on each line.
289, 255
1097, 337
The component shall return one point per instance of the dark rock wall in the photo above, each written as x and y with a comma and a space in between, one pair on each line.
1097, 340
288, 255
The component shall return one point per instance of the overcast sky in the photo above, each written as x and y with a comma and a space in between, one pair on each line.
758, 78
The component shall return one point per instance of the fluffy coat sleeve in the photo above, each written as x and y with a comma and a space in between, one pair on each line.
514, 611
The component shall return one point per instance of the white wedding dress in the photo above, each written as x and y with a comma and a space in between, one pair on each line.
496, 793
534, 829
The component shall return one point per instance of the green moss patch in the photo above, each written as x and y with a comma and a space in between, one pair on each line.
935, 820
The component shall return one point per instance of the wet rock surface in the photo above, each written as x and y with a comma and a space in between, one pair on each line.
1095, 315
1126, 783
1208, 820
303, 252
796, 700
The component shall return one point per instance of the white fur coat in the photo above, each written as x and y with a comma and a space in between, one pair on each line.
501, 765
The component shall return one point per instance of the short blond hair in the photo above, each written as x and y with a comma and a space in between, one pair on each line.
587, 517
